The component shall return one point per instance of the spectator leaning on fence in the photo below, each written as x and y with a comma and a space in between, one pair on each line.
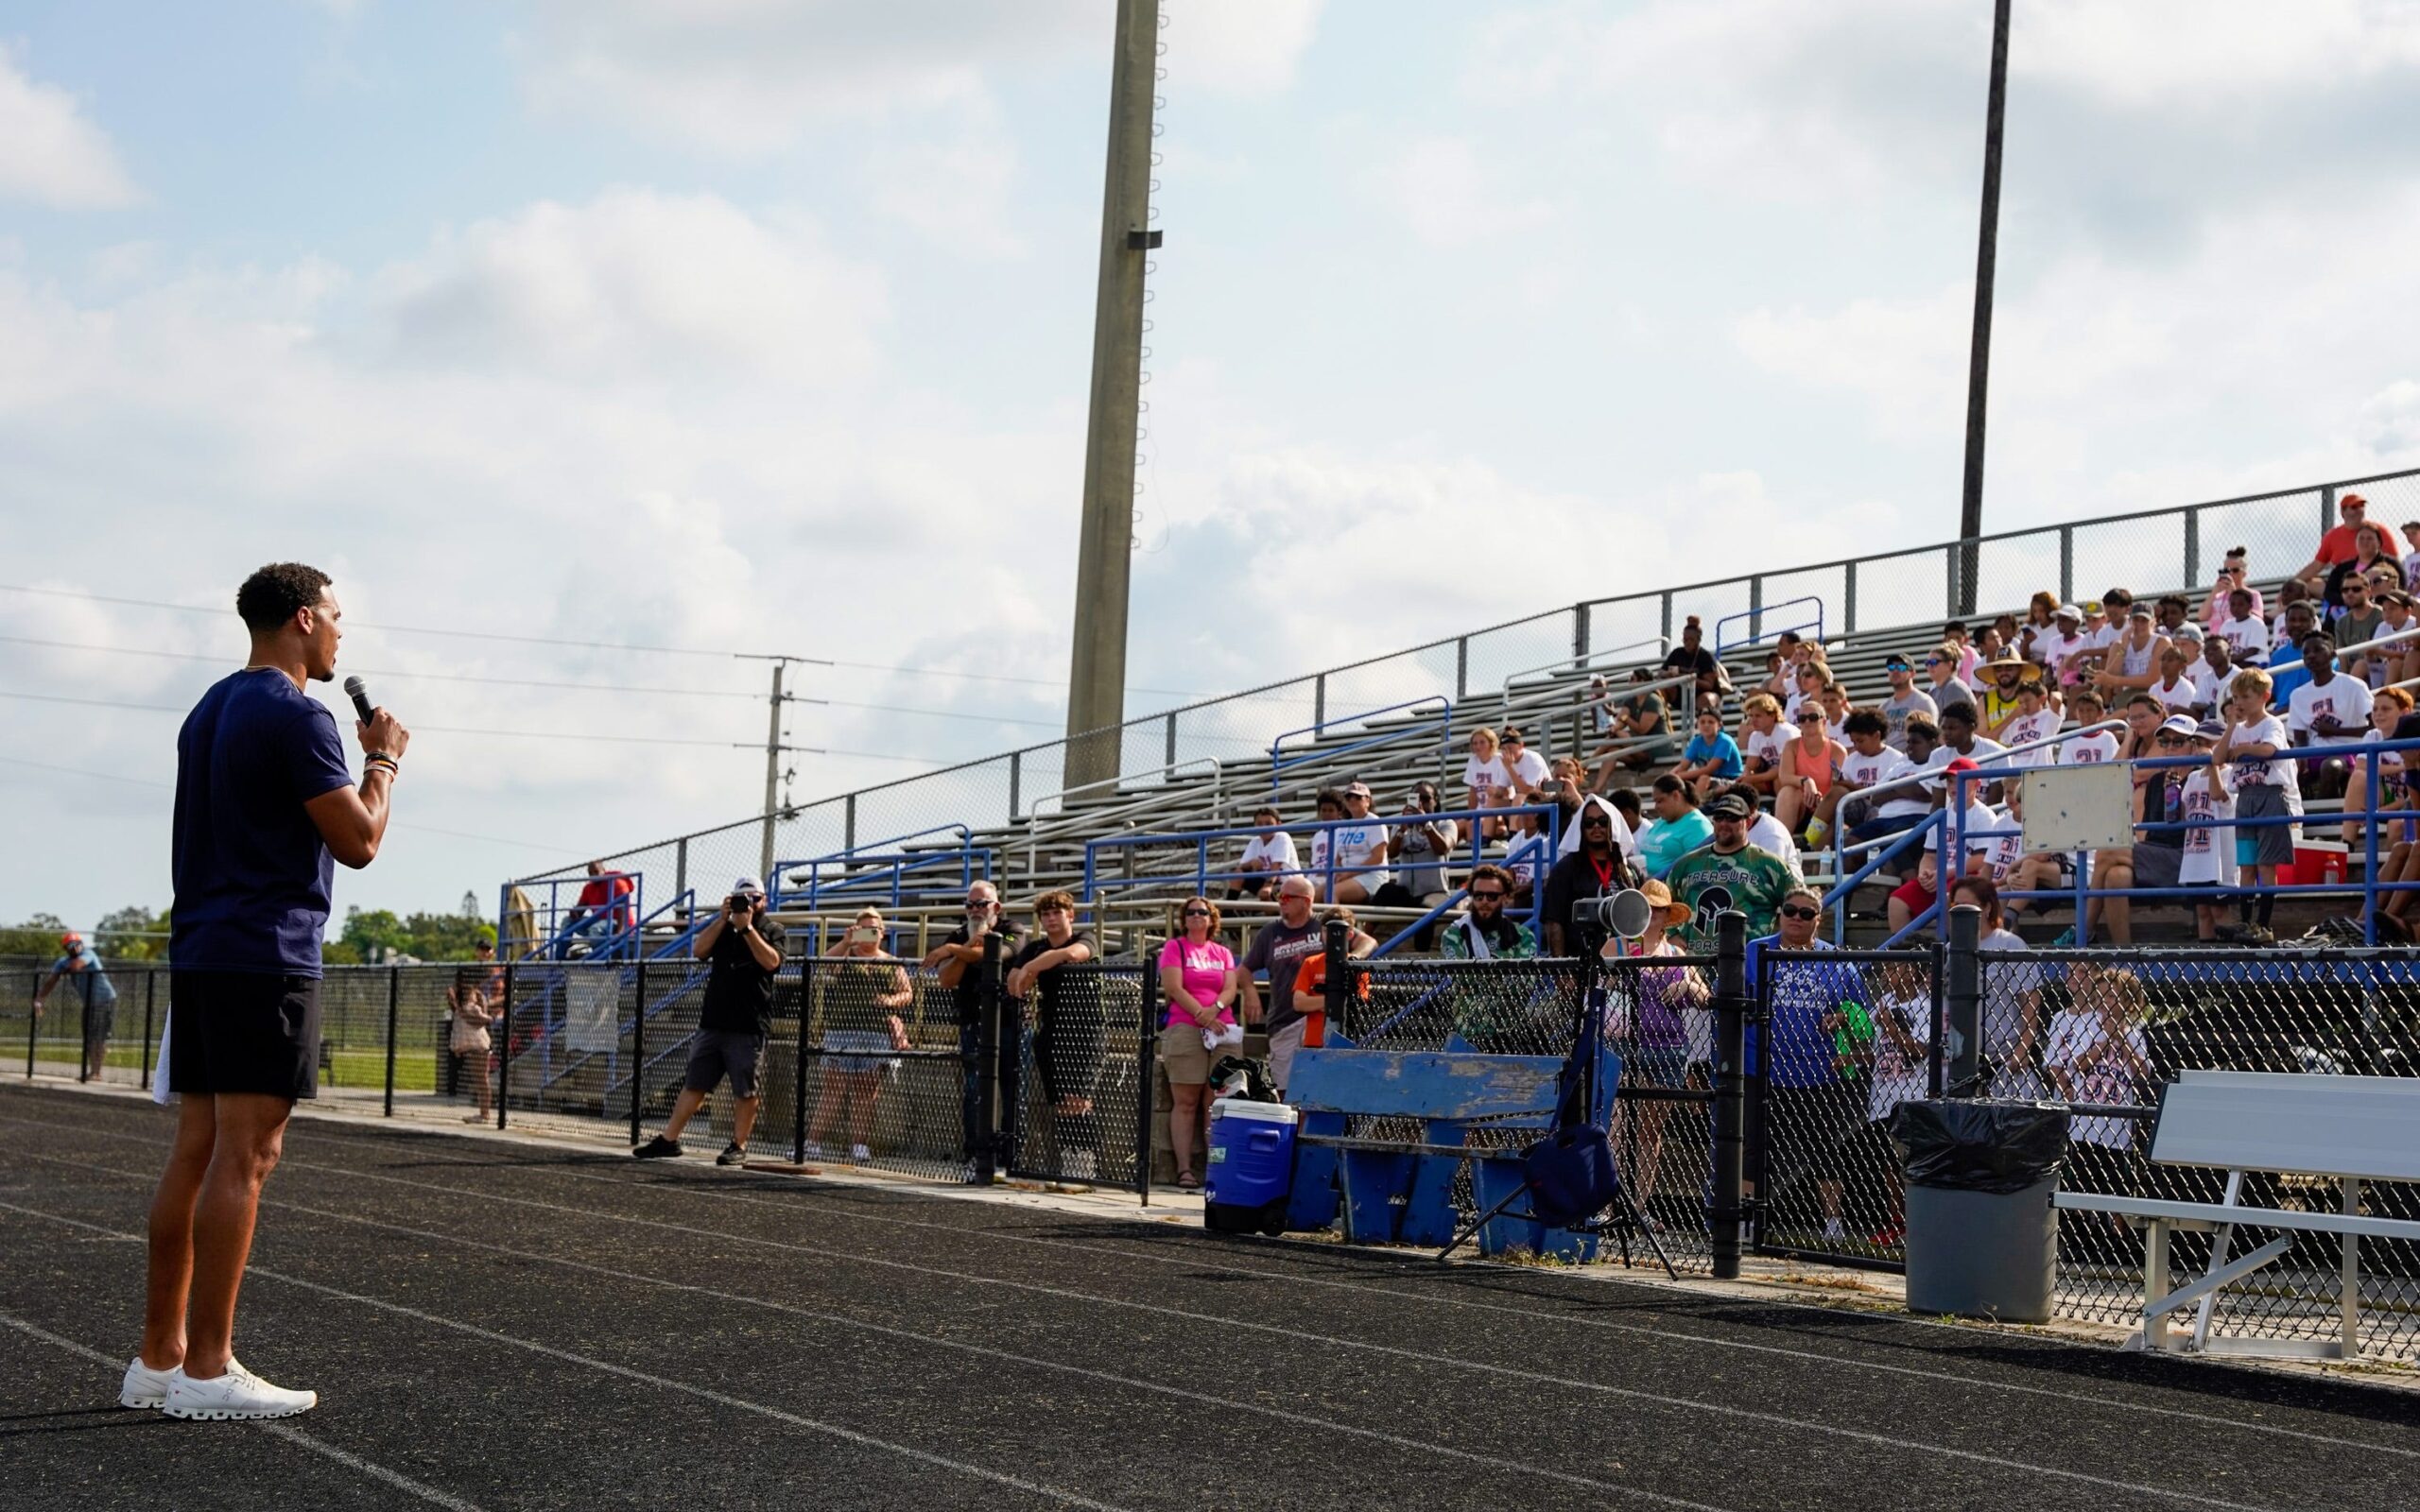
1277, 952
1198, 977
742, 949
1481, 931
1811, 1104
1071, 1028
90, 991
958, 958
1268, 857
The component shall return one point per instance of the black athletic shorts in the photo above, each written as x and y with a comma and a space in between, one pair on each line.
244, 1032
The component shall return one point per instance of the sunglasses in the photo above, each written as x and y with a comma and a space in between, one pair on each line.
1488, 897
1800, 911
1197, 913
1596, 821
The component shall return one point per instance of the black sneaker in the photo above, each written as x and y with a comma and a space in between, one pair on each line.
731, 1154
659, 1148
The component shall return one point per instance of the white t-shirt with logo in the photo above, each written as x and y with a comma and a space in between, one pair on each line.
1767, 744
1975, 831
2344, 699
1882, 767
2210, 685
2248, 637
1487, 776
2053, 645
2024, 730
2081, 751
1361, 851
1277, 850
2209, 846
1530, 768
2180, 697
2253, 771
1899, 1077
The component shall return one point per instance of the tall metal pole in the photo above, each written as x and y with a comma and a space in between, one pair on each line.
1978, 356
773, 775
1097, 672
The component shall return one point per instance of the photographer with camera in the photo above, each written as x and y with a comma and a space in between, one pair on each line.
743, 950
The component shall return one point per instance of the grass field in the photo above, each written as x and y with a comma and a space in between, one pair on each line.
415, 1065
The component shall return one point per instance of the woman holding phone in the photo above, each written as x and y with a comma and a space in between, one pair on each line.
864, 990
1198, 975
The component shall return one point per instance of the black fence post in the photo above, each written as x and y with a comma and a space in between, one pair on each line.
33, 1027
638, 1049
150, 997
1961, 993
504, 1058
798, 1058
84, 1028
982, 1132
394, 1017
1732, 1005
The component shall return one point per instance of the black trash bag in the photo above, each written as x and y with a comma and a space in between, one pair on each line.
1984, 1145
1236, 1076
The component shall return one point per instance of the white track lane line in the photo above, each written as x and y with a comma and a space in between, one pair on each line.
715, 1190
287, 1431
1648, 1399
1323, 1425
721, 1399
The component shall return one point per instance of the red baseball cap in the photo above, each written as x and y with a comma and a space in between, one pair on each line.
2351, 500
71, 938
1964, 763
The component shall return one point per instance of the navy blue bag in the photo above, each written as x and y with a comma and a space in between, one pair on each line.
1571, 1172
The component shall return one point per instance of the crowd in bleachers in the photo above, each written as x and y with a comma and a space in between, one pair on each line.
2280, 695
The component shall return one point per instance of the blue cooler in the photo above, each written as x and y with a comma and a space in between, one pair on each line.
1250, 1166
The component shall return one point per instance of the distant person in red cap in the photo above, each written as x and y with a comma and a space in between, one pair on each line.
2337, 544
92, 993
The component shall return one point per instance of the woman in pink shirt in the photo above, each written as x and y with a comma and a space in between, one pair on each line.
1198, 975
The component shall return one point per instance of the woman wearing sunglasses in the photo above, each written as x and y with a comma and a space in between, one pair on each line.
1198, 975
864, 990
1071, 1029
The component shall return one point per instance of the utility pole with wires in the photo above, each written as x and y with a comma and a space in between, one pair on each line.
776, 776
1097, 671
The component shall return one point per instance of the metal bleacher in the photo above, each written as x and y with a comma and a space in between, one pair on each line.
1218, 760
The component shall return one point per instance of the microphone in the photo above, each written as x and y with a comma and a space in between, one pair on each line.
360, 698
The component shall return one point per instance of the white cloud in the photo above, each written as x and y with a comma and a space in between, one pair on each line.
637, 281
957, 189
1442, 189
2207, 55
49, 153
1238, 46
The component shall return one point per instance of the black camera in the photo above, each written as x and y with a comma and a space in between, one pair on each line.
740, 902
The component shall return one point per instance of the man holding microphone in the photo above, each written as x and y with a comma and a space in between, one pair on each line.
265, 805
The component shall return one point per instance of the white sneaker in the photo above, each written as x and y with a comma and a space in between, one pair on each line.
143, 1386
1082, 1165
860, 1154
236, 1393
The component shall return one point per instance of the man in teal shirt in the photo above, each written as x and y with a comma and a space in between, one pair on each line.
1679, 827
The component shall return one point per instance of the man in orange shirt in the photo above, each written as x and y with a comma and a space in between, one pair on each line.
2337, 545
1310, 978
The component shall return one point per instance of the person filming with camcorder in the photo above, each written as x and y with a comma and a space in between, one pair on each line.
743, 950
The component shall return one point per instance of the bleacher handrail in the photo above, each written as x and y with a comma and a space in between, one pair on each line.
1278, 761
1723, 647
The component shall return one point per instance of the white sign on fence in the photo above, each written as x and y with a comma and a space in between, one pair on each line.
2089, 807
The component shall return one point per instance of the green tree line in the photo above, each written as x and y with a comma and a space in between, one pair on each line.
369, 934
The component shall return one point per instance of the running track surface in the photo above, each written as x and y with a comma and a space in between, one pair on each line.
492, 1325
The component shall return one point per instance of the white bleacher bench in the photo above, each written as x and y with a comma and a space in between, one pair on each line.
2344, 1129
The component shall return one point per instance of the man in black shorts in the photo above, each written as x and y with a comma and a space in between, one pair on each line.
743, 950
265, 805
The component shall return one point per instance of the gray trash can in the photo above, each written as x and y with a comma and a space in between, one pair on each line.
1982, 1235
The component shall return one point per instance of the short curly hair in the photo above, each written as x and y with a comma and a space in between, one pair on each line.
269, 597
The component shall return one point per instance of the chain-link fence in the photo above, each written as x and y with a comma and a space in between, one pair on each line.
2102, 1030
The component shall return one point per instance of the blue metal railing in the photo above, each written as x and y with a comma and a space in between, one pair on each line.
865, 870
1549, 842
556, 925
1279, 763
1758, 630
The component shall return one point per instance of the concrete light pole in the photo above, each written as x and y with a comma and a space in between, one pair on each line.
1097, 672
1979, 355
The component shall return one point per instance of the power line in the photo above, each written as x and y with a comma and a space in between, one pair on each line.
576, 643
532, 683
516, 735
401, 824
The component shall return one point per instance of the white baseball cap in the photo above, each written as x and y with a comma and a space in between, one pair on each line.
748, 886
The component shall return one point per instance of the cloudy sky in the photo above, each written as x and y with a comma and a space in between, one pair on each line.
762, 325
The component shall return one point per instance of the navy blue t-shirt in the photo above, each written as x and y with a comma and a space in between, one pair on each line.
250, 873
